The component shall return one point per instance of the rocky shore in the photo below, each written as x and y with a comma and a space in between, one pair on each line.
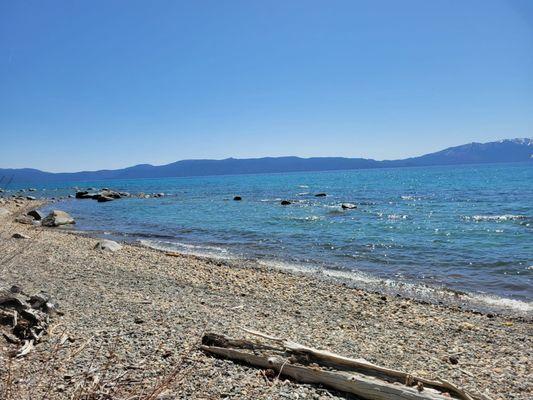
130, 319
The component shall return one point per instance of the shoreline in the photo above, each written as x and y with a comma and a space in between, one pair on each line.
422, 293
152, 301
439, 289
476, 303
416, 291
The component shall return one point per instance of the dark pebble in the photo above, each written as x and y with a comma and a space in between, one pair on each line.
453, 360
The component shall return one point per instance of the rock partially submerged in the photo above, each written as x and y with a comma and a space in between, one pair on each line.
101, 196
104, 199
320, 195
237, 198
285, 202
348, 206
108, 245
83, 195
57, 218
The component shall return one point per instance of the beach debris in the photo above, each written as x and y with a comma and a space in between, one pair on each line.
36, 214
24, 219
309, 365
57, 218
285, 202
107, 245
321, 195
237, 198
348, 206
24, 319
20, 236
453, 359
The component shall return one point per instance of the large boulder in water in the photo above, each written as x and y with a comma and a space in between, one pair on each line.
107, 245
106, 195
103, 199
110, 193
57, 218
83, 195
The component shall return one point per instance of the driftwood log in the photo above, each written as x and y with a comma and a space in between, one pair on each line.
309, 365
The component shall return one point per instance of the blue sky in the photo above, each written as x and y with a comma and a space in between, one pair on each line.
107, 84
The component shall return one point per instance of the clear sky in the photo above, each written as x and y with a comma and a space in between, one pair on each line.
108, 84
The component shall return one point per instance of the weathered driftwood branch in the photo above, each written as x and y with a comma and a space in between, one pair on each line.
327, 358
304, 364
28, 346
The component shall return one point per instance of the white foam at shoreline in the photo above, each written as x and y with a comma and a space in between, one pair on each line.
359, 279
190, 249
433, 292
503, 302
410, 289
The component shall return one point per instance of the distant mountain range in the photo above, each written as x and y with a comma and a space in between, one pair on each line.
509, 150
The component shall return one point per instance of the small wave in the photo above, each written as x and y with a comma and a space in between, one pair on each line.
420, 290
397, 216
190, 249
303, 186
503, 303
505, 217
410, 290
308, 218
286, 266
336, 211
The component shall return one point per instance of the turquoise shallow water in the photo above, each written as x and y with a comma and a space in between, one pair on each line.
466, 228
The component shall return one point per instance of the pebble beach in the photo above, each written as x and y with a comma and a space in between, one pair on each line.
130, 321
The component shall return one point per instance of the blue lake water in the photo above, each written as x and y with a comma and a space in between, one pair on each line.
466, 228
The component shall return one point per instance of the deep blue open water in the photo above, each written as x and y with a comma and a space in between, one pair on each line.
466, 228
